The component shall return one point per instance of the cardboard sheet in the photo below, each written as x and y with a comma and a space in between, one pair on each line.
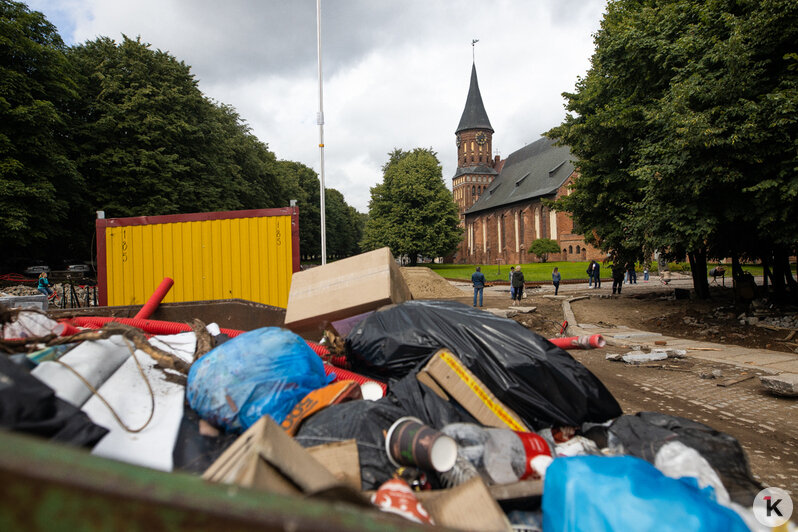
449, 378
344, 288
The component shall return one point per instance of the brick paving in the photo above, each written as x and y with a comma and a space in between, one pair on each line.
766, 426
745, 407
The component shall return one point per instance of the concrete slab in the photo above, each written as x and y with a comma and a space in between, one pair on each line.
785, 385
787, 367
758, 357
638, 336
766, 361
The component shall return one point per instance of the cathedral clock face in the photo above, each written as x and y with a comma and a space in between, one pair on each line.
482, 138
458, 141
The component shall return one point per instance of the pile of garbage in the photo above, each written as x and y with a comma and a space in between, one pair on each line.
431, 410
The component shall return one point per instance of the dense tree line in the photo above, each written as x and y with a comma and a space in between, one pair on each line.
123, 128
684, 130
412, 211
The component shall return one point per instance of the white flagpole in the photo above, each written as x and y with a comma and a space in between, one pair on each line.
320, 121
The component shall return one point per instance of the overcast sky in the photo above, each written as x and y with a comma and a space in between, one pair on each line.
395, 72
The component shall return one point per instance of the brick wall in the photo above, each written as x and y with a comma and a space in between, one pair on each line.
505, 234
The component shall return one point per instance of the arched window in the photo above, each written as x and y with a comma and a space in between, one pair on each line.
577, 249
473, 190
571, 249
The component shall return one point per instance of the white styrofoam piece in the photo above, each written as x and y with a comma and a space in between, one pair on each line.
96, 361
127, 393
182, 345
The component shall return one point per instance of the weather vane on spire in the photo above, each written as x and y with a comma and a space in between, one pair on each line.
473, 47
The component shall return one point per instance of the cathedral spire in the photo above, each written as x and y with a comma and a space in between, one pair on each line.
474, 115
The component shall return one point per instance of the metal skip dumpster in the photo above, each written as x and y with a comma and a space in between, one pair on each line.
249, 254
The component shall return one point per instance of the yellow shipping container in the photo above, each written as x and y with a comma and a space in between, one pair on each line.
215, 255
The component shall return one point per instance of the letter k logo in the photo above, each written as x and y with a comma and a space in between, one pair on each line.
772, 506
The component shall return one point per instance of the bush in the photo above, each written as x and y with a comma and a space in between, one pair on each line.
542, 247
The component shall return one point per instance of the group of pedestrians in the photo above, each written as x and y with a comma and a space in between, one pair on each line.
516, 285
621, 274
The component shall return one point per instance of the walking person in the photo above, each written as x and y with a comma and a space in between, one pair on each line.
518, 284
555, 280
478, 280
596, 275
512, 290
645, 274
617, 277
590, 273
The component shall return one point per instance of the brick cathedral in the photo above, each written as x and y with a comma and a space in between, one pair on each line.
500, 199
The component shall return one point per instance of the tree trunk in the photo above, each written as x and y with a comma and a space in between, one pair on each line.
737, 270
779, 278
766, 274
413, 258
698, 269
782, 257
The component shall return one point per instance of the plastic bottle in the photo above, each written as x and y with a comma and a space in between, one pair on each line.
500, 456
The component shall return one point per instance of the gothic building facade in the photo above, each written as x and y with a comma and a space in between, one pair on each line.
500, 199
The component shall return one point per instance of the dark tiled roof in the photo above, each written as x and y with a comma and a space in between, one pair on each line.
474, 170
474, 115
537, 169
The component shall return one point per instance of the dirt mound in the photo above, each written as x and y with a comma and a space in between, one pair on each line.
426, 284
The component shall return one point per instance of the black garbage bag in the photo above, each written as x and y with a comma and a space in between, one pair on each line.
643, 434
193, 451
29, 406
366, 422
540, 381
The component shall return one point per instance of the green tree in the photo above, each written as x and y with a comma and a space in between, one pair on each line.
684, 132
151, 143
412, 211
39, 185
302, 184
542, 247
344, 223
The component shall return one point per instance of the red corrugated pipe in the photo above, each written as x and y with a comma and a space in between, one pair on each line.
152, 326
319, 349
68, 329
346, 375
339, 361
148, 326
579, 342
155, 299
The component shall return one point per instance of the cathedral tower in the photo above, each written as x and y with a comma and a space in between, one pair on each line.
474, 139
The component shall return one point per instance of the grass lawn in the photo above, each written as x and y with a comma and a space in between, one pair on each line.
538, 271
541, 271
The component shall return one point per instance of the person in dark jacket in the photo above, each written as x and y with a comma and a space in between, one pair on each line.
518, 284
512, 290
618, 272
478, 280
596, 275
555, 279
631, 273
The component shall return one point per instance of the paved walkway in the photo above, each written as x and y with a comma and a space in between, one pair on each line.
774, 362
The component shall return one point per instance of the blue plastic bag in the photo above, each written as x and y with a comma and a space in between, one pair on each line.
626, 493
265, 371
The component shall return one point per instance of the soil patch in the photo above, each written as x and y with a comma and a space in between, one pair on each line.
714, 320
426, 284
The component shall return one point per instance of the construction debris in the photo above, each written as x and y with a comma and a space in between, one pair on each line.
785, 385
470, 424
